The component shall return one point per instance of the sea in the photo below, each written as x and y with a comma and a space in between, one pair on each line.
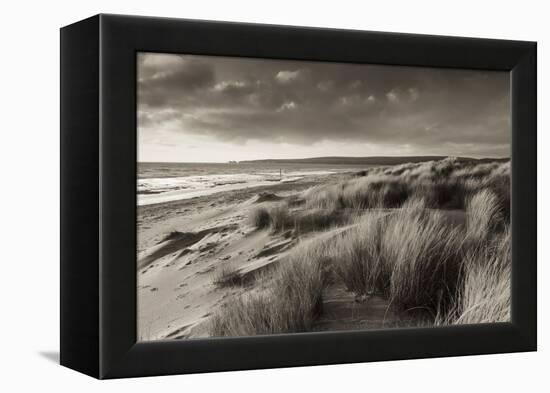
165, 182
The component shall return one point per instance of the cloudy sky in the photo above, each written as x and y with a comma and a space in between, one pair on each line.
216, 109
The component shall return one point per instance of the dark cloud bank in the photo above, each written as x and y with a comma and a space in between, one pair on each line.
236, 100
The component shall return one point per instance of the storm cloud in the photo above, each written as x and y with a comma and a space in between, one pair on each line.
277, 104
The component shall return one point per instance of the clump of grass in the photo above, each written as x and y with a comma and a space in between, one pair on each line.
324, 197
444, 168
290, 305
295, 201
479, 171
410, 256
484, 295
360, 193
357, 258
499, 184
227, 276
393, 194
318, 219
425, 257
247, 315
259, 217
483, 215
280, 218
449, 194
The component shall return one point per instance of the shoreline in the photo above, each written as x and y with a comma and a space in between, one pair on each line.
158, 190
181, 212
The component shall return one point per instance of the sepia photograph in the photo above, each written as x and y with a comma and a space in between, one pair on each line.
283, 196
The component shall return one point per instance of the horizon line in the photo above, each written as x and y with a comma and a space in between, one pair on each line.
320, 157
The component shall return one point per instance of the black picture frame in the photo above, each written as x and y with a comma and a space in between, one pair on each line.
98, 195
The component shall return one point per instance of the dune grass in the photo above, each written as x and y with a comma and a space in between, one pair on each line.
484, 295
401, 246
227, 276
484, 216
279, 217
445, 184
290, 305
424, 255
356, 256
410, 256
260, 218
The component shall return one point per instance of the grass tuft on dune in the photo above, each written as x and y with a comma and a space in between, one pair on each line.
484, 296
290, 305
280, 217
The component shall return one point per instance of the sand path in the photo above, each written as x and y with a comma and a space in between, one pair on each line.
342, 310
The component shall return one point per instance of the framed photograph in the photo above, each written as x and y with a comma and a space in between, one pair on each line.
239, 196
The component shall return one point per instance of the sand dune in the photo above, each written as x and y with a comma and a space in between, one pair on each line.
177, 276
198, 255
184, 249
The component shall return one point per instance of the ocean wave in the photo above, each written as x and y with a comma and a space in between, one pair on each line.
166, 189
